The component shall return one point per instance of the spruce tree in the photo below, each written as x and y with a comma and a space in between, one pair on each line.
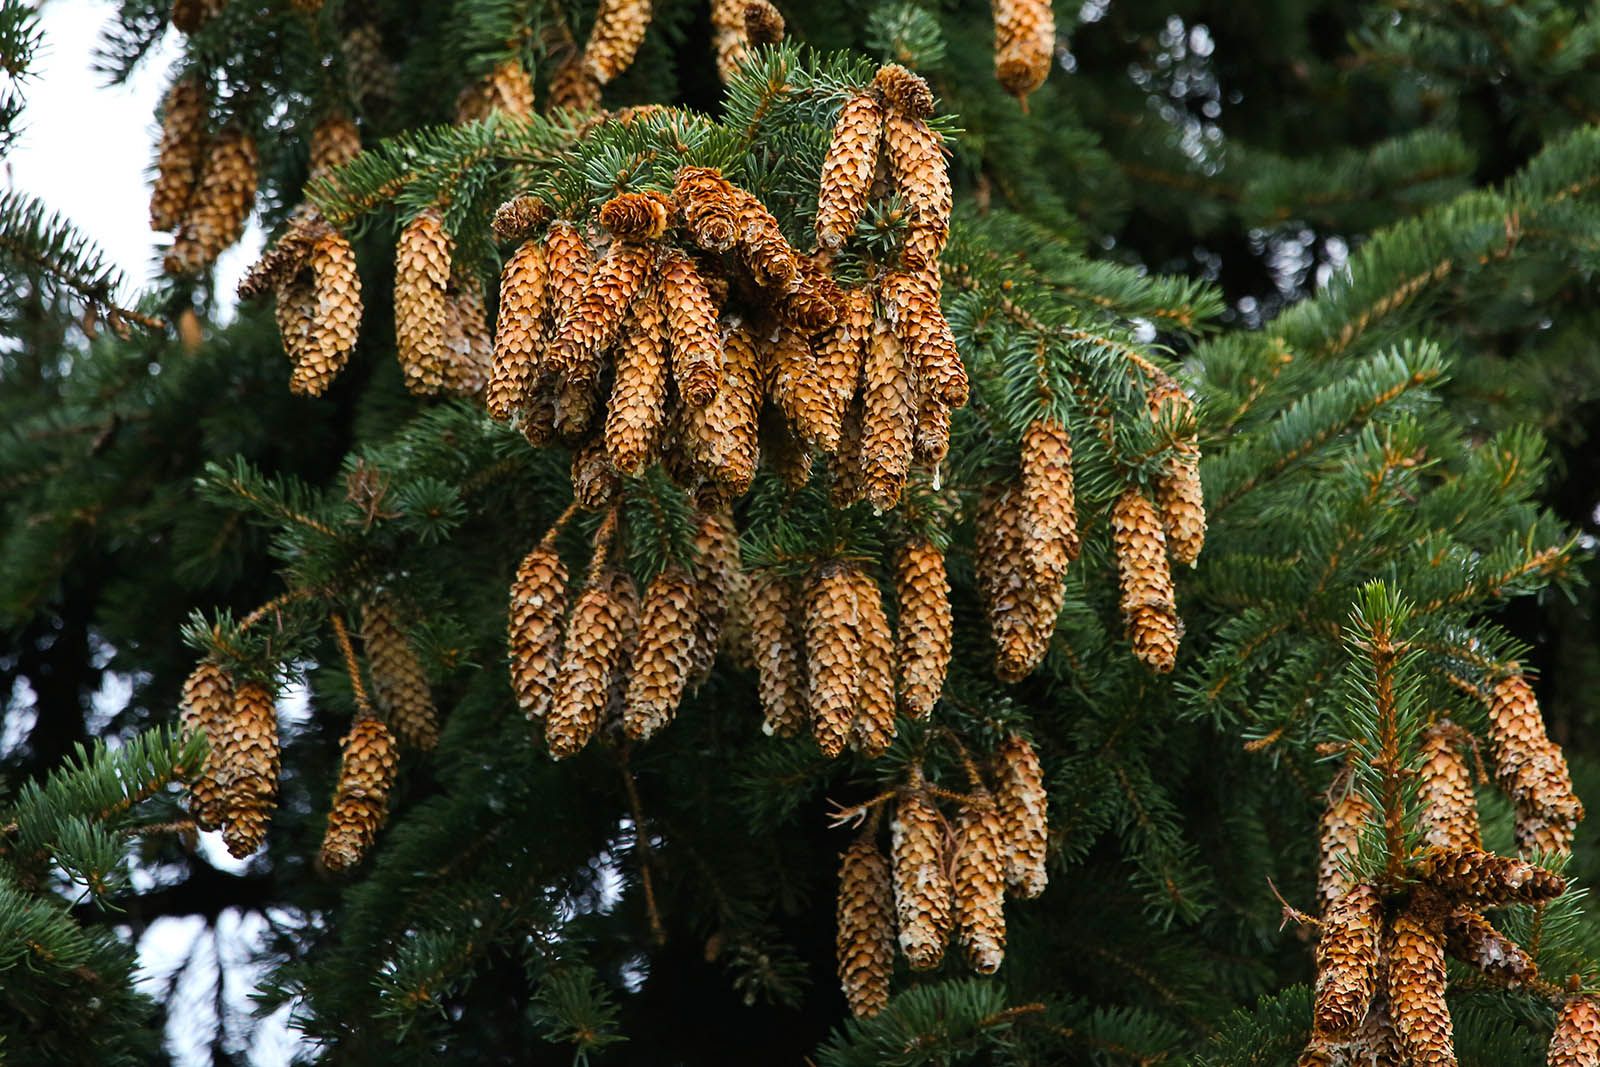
855, 534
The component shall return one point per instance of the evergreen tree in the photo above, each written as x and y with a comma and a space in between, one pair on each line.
883, 533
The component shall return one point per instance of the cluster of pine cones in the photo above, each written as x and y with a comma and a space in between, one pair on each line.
1380, 994
205, 183
940, 880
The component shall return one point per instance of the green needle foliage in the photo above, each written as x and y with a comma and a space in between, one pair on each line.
1361, 237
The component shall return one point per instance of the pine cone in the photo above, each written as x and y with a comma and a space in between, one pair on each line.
398, 680
468, 342
591, 327
889, 391
978, 881
335, 141
1347, 960
1146, 580
775, 638
722, 436
1342, 823
1531, 768
636, 418
421, 304
636, 216
517, 332
812, 306
369, 72
1024, 808
904, 91
931, 440
206, 708
865, 943
1576, 1040
595, 482
911, 301
833, 657
1022, 610
923, 898
370, 757
573, 87
873, 730
217, 210
1024, 44
1470, 938
533, 630
183, 137
246, 760
1178, 492
520, 217
763, 23
773, 262
1444, 791
619, 28
847, 169
295, 310
917, 169
730, 37
336, 324
719, 587
1414, 951
570, 262
692, 327
602, 621
1472, 876
785, 453
661, 661
1049, 520
800, 392
923, 649
708, 204
506, 88
842, 351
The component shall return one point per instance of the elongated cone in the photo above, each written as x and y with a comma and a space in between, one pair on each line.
398, 680
1022, 610
1145, 578
662, 658
1444, 789
594, 480
336, 324
335, 141
917, 169
776, 638
1024, 44
865, 939
709, 206
287, 258
1343, 820
294, 309
206, 708
847, 169
1531, 767
590, 328
730, 37
1414, 953
833, 657
692, 330
1178, 492
370, 757
183, 137
1470, 938
1471, 875
978, 879
1576, 1040
931, 441
507, 88
718, 585
421, 302
636, 418
812, 306
785, 452
773, 262
1347, 960
841, 352
923, 898
247, 768
911, 302
802, 395
722, 436
873, 730
925, 625
1024, 808
888, 418
468, 342
1049, 522
602, 621
533, 628
220, 204
848, 466
619, 28
518, 331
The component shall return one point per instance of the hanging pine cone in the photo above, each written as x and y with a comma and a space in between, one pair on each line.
1342, 823
602, 623
773, 262
295, 310
833, 657
517, 334
1472, 939
520, 217
720, 592
917, 169
1024, 44
1576, 1040
207, 706
978, 881
1347, 960
841, 352
922, 893
903, 91
533, 628
1414, 952
722, 436
398, 680
467, 341
335, 141
708, 204
660, 663
776, 638
931, 441
592, 326
1471, 875
865, 941
888, 418
1146, 581
247, 768
847, 169
507, 88
1449, 815
873, 730
1049, 521
1022, 609
221, 202
636, 417
800, 392
1024, 809
911, 302
595, 482
369, 758
692, 330
335, 325
183, 142
730, 37
619, 29
1531, 767
421, 304
925, 626
1178, 493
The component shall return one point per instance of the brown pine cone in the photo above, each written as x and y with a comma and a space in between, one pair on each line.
636, 418
1049, 521
520, 217
833, 657
369, 758
1024, 44
801, 394
708, 204
533, 628
601, 625
723, 436
421, 302
847, 169
889, 393
1146, 580
636, 216
978, 882
1341, 826
911, 301
1024, 808
220, 204
294, 310
661, 660
183, 142
923, 898
1444, 790
518, 331
776, 640
904, 91
773, 262
865, 940
1470, 938
931, 440
1531, 767
917, 169
730, 37
573, 87
1347, 960
719, 588
1469, 875
1576, 1040
336, 325
873, 730
618, 31
1178, 492
592, 326
841, 352
335, 141
923, 647
206, 708
693, 330
467, 340
1022, 609
1414, 953
246, 760
398, 680
595, 482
